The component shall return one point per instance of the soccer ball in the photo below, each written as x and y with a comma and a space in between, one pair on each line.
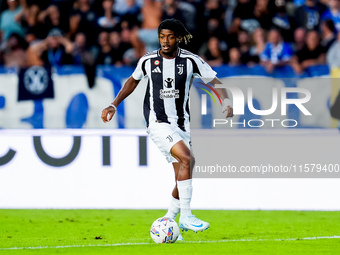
164, 230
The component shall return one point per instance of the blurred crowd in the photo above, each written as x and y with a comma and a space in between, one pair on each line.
300, 33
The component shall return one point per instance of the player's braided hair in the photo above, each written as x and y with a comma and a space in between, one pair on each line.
177, 27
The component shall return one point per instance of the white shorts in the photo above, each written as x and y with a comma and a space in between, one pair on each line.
165, 136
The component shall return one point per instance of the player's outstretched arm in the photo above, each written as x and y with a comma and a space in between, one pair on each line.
126, 90
227, 104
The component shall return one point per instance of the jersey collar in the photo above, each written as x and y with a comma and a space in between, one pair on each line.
179, 51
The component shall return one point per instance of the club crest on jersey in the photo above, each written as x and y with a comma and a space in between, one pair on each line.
156, 62
180, 68
168, 83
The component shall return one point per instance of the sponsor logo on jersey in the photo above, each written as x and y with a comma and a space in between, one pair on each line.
168, 83
168, 91
157, 70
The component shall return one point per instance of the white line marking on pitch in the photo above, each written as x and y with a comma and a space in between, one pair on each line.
129, 244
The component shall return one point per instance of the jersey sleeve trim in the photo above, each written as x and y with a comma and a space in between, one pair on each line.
141, 66
200, 68
194, 67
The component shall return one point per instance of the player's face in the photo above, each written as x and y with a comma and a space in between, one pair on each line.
168, 41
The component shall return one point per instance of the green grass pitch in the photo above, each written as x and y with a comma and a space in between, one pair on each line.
127, 232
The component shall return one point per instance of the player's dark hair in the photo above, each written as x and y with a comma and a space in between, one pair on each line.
177, 27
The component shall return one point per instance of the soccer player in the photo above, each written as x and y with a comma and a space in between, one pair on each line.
169, 72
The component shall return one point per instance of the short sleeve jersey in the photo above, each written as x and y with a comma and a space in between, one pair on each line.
280, 52
168, 83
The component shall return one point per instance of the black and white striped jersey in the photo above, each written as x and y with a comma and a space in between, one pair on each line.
167, 93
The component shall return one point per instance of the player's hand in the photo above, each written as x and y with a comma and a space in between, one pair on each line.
228, 112
108, 113
227, 108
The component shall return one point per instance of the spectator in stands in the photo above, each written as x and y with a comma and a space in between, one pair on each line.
276, 53
13, 52
213, 16
250, 15
122, 7
259, 41
327, 34
64, 6
79, 47
110, 20
234, 57
118, 47
203, 10
213, 27
28, 17
312, 54
51, 18
84, 19
106, 55
308, 15
55, 50
125, 34
32, 35
83, 54
8, 23
244, 44
145, 39
131, 14
263, 14
130, 56
228, 15
213, 54
214, 9
184, 12
298, 3
282, 21
333, 13
333, 54
243, 16
299, 39
42, 4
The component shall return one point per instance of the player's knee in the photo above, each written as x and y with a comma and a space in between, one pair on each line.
186, 160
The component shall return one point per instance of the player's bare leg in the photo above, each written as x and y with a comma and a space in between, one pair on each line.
186, 161
176, 166
182, 153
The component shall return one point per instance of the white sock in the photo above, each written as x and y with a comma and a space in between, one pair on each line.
173, 209
185, 194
